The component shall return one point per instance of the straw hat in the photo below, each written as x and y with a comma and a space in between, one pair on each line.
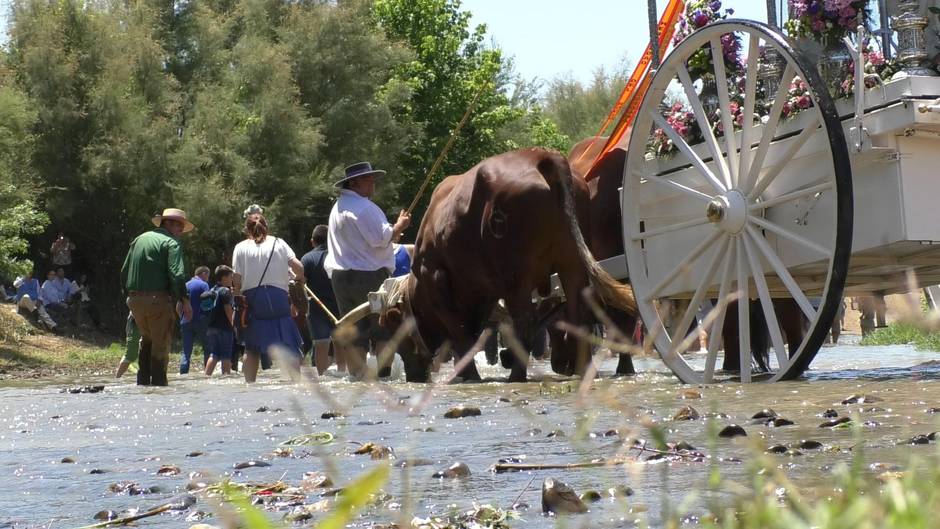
174, 214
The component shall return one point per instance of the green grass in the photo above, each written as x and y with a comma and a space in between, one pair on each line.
904, 333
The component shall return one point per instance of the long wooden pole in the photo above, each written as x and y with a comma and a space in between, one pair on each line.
314, 297
447, 147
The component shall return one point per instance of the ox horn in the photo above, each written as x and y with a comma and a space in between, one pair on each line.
354, 315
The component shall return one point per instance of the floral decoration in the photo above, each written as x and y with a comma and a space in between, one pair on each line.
826, 21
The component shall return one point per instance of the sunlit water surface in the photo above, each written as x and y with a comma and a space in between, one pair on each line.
129, 433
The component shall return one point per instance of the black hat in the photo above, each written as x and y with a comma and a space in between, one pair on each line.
359, 169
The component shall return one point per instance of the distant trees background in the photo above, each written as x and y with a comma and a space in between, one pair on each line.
111, 111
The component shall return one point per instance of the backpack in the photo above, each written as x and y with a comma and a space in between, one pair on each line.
209, 300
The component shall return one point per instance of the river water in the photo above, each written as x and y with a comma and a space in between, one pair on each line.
126, 433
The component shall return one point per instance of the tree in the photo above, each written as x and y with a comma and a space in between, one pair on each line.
579, 109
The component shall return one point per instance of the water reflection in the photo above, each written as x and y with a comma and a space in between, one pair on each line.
205, 427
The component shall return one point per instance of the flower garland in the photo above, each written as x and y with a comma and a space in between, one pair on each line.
826, 21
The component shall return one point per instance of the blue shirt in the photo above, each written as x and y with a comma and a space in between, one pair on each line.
28, 287
317, 279
196, 287
402, 261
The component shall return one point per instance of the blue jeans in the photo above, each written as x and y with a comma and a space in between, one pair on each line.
192, 331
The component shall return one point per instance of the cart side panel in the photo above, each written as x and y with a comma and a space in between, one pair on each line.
920, 185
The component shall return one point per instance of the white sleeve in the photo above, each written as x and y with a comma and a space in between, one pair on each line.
374, 227
237, 266
19, 282
286, 250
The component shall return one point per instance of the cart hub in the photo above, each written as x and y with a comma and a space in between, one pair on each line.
728, 211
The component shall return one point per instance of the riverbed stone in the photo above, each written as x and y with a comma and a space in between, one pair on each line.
809, 444
690, 394
780, 421
861, 399
316, 480
105, 516
829, 414
687, 413
331, 415
933, 436
559, 498
590, 496
67, 460
683, 445
765, 413
919, 440
835, 422
462, 411
250, 464
732, 430
168, 470
777, 449
620, 491
456, 470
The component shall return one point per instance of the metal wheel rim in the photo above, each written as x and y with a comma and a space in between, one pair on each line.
752, 241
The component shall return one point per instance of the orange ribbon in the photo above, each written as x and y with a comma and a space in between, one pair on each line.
637, 84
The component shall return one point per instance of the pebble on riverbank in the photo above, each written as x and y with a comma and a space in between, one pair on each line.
732, 430
687, 413
559, 498
462, 411
456, 470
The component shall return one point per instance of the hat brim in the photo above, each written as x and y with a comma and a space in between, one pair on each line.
377, 172
187, 226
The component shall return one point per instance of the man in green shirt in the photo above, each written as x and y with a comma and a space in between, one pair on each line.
154, 277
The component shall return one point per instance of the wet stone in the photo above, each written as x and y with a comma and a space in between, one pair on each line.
835, 422
809, 444
687, 413
690, 394
559, 498
97, 471
520, 506
777, 449
620, 491
829, 414
195, 454
316, 480
683, 445
84, 389
250, 464
611, 433
766, 413
861, 399
331, 415
780, 421
590, 496
168, 470
503, 399
732, 430
556, 433
933, 410
105, 516
457, 470
67, 460
794, 453
919, 440
933, 436
462, 411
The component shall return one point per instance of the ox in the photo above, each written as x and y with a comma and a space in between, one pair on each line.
499, 231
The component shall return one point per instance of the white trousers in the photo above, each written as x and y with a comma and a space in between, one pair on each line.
28, 304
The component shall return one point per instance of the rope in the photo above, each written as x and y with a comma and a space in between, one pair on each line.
447, 147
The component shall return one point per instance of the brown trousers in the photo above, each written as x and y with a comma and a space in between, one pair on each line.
155, 316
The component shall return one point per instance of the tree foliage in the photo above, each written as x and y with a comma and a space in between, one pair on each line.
115, 110
579, 109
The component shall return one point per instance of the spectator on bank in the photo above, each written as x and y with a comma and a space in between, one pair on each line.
220, 332
82, 297
155, 279
262, 265
61, 251
132, 346
318, 322
361, 257
28, 299
193, 330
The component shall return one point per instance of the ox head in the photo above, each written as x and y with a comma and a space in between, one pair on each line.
390, 302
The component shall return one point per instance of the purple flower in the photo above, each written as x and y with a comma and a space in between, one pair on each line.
700, 18
715, 5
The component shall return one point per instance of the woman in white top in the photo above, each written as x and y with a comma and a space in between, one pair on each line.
262, 265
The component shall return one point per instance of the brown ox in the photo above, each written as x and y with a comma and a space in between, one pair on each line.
606, 240
499, 231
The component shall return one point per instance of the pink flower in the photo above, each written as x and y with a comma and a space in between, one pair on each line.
804, 101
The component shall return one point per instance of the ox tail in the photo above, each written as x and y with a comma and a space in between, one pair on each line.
613, 293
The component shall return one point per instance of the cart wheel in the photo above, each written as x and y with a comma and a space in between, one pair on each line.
719, 222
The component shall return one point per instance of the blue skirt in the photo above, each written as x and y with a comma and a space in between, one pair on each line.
269, 322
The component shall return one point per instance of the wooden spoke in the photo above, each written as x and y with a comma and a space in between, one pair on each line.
795, 291
697, 299
694, 193
802, 241
767, 303
683, 264
747, 126
791, 151
744, 314
671, 228
686, 149
770, 128
787, 197
724, 103
705, 125
714, 334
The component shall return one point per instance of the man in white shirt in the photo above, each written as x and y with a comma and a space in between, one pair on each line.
361, 255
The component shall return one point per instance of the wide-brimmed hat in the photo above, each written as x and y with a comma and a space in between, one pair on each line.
173, 214
359, 169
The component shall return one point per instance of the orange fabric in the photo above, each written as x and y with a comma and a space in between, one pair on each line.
638, 84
